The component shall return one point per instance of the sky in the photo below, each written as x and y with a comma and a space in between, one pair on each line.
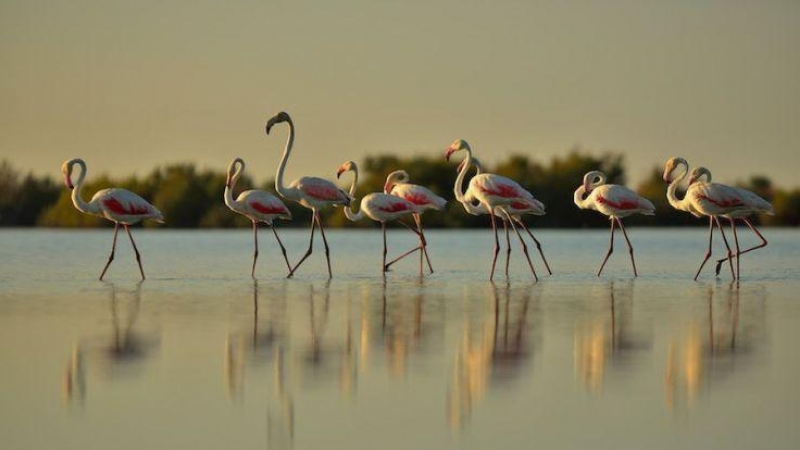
130, 86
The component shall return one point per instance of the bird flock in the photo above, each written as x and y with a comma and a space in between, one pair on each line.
497, 196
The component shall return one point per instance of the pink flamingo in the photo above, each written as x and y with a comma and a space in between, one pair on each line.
491, 190
514, 212
311, 192
379, 207
753, 205
397, 184
701, 201
120, 206
256, 205
614, 201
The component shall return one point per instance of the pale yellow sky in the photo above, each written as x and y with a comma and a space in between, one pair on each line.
130, 85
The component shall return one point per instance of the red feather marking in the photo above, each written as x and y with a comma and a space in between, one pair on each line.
322, 192
503, 190
520, 205
624, 204
394, 207
118, 208
417, 199
266, 209
724, 203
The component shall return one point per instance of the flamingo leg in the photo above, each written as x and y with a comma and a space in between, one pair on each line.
135, 250
255, 252
283, 249
610, 249
310, 245
383, 266
738, 250
710, 241
113, 249
524, 247
496, 243
761, 245
538, 245
325, 241
727, 246
630, 247
508, 245
403, 256
424, 241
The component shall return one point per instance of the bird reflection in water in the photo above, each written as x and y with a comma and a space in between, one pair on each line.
607, 338
121, 356
493, 352
265, 344
710, 347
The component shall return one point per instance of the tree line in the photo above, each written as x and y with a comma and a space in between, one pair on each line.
192, 198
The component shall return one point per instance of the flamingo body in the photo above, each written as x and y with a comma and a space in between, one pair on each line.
315, 193
617, 201
123, 206
420, 196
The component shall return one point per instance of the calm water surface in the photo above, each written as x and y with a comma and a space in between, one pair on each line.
201, 356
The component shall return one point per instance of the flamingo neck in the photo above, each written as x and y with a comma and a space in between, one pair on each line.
578, 198
229, 201
280, 187
348, 210
77, 198
672, 197
458, 189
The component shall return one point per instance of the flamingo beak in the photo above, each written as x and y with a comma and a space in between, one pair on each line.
339, 172
448, 153
68, 182
692, 180
587, 186
387, 188
270, 124
228, 181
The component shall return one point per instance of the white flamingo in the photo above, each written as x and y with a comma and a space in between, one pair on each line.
120, 206
379, 207
614, 201
514, 211
311, 192
492, 191
397, 184
753, 205
699, 201
256, 205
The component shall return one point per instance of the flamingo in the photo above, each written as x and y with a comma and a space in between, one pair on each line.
492, 191
700, 202
256, 205
120, 206
311, 192
515, 212
380, 207
397, 184
754, 205
614, 201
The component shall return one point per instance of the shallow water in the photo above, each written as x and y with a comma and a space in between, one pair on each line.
201, 356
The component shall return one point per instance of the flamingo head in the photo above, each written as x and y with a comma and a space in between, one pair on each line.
458, 144
234, 169
396, 177
592, 180
348, 166
278, 118
671, 165
66, 170
698, 173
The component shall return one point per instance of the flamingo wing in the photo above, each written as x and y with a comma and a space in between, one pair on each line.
621, 201
384, 207
419, 195
756, 203
321, 190
716, 198
124, 206
499, 187
263, 205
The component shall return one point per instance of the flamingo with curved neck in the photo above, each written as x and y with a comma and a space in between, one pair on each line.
380, 207
311, 192
120, 206
614, 201
693, 203
256, 205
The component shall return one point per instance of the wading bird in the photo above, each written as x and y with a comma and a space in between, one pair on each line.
379, 207
256, 205
697, 202
397, 184
614, 201
753, 204
311, 192
120, 206
490, 190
